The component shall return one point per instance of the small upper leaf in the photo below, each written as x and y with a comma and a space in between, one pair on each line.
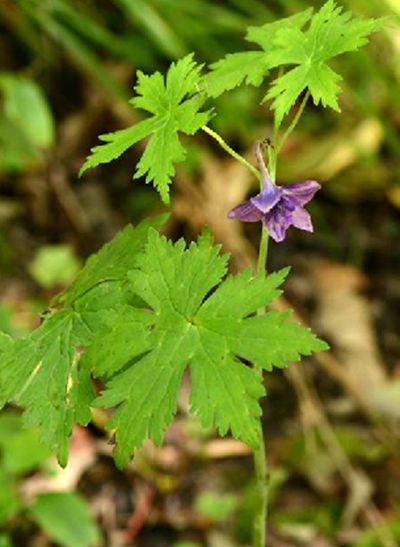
250, 67
175, 107
330, 33
285, 43
247, 67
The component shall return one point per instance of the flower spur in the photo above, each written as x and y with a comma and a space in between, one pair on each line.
278, 207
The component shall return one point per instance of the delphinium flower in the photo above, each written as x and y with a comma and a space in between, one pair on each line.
278, 207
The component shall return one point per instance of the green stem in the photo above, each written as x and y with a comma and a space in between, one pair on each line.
231, 152
261, 471
278, 146
260, 457
262, 252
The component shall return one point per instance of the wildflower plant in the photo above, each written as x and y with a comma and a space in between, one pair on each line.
143, 309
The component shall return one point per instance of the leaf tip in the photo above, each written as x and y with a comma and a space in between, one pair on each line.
84, 167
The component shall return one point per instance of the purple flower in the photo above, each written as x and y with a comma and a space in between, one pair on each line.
278, 207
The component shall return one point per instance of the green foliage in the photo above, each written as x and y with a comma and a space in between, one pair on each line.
136, 316
175, 107
330, 33
284, 43
106, 269
54, 265
215, 506
9, 502
20, 452
64, 516
66, 519
250, 67
26, 106
175, 101
5, 540
388, 530
26, 122
42, 371
185, 327
21, 449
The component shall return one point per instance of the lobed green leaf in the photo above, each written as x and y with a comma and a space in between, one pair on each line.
113, 260
44, 372
250, 67
190, 323
41, 373
330, 33
305, 53
175, 106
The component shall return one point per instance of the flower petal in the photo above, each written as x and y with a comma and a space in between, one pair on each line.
301, 192
276, 222
288, 204
265, 200
246, 212
301, 219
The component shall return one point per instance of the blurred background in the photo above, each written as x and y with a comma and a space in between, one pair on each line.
67, 68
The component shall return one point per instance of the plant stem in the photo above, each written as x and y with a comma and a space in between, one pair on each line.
231, 152
262, 252
260, 460
261, 471
278, 146
260, 457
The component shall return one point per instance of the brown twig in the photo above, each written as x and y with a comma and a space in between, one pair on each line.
145, 496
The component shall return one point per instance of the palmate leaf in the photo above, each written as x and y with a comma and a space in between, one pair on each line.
183, 326
330, 33
285, 43
175, 107
44, 372
250, 67
113, 260
5, 341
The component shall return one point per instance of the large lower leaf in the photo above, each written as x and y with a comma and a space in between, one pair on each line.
142, 354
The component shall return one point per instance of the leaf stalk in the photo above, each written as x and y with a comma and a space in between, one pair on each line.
231, 152
279, 144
